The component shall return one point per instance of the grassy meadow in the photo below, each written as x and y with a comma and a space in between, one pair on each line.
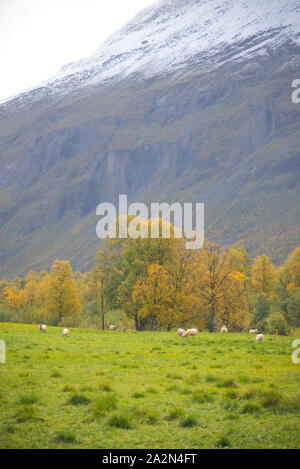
132, 389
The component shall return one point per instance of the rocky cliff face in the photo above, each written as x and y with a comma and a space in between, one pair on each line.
191, 101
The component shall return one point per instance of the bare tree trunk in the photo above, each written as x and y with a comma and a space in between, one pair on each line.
214, 318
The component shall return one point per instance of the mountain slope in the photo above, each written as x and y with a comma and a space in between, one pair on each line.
200, 112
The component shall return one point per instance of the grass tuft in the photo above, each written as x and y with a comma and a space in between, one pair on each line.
120, 421
29, 399
189, 422
78, 399
222, 442
104, 404
138, 395
175, 414
65, 436
251, 407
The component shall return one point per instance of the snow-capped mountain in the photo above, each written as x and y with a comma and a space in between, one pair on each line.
171, 34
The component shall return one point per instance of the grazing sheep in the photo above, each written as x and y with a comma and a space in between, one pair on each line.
180, 331
190, 333
223, 329
259, 337
43, 327
112, 328
65, 333
253, 331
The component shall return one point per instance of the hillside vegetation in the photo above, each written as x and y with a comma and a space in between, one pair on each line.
156, 284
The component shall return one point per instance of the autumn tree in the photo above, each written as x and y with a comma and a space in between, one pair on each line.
61, 299
215, 285
289, 288
239, 259
136, 257
13, 297
263, 274
154, 297
233, 305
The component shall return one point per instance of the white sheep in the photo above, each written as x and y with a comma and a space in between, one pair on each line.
65, 333
190, 333
43, 327
180, 331
223, 329
253, 331
112, 328
259, 337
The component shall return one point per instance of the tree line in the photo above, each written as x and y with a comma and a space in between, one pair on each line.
156, 284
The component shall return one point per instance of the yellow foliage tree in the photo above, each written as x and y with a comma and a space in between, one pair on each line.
292, 269
61, 296
154, 297
219, 288
233, 306
263, 274
13, 297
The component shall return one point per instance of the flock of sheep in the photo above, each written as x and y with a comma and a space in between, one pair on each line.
180, 331
43, 328
193, 332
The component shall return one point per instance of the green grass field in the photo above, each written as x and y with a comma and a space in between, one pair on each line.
147, 390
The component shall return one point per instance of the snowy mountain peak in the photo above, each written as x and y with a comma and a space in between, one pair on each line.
173, 34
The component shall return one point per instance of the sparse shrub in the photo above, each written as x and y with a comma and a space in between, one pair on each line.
55, 374
78, 399
276, 324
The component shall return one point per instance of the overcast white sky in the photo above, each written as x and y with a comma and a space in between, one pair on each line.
37, 37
